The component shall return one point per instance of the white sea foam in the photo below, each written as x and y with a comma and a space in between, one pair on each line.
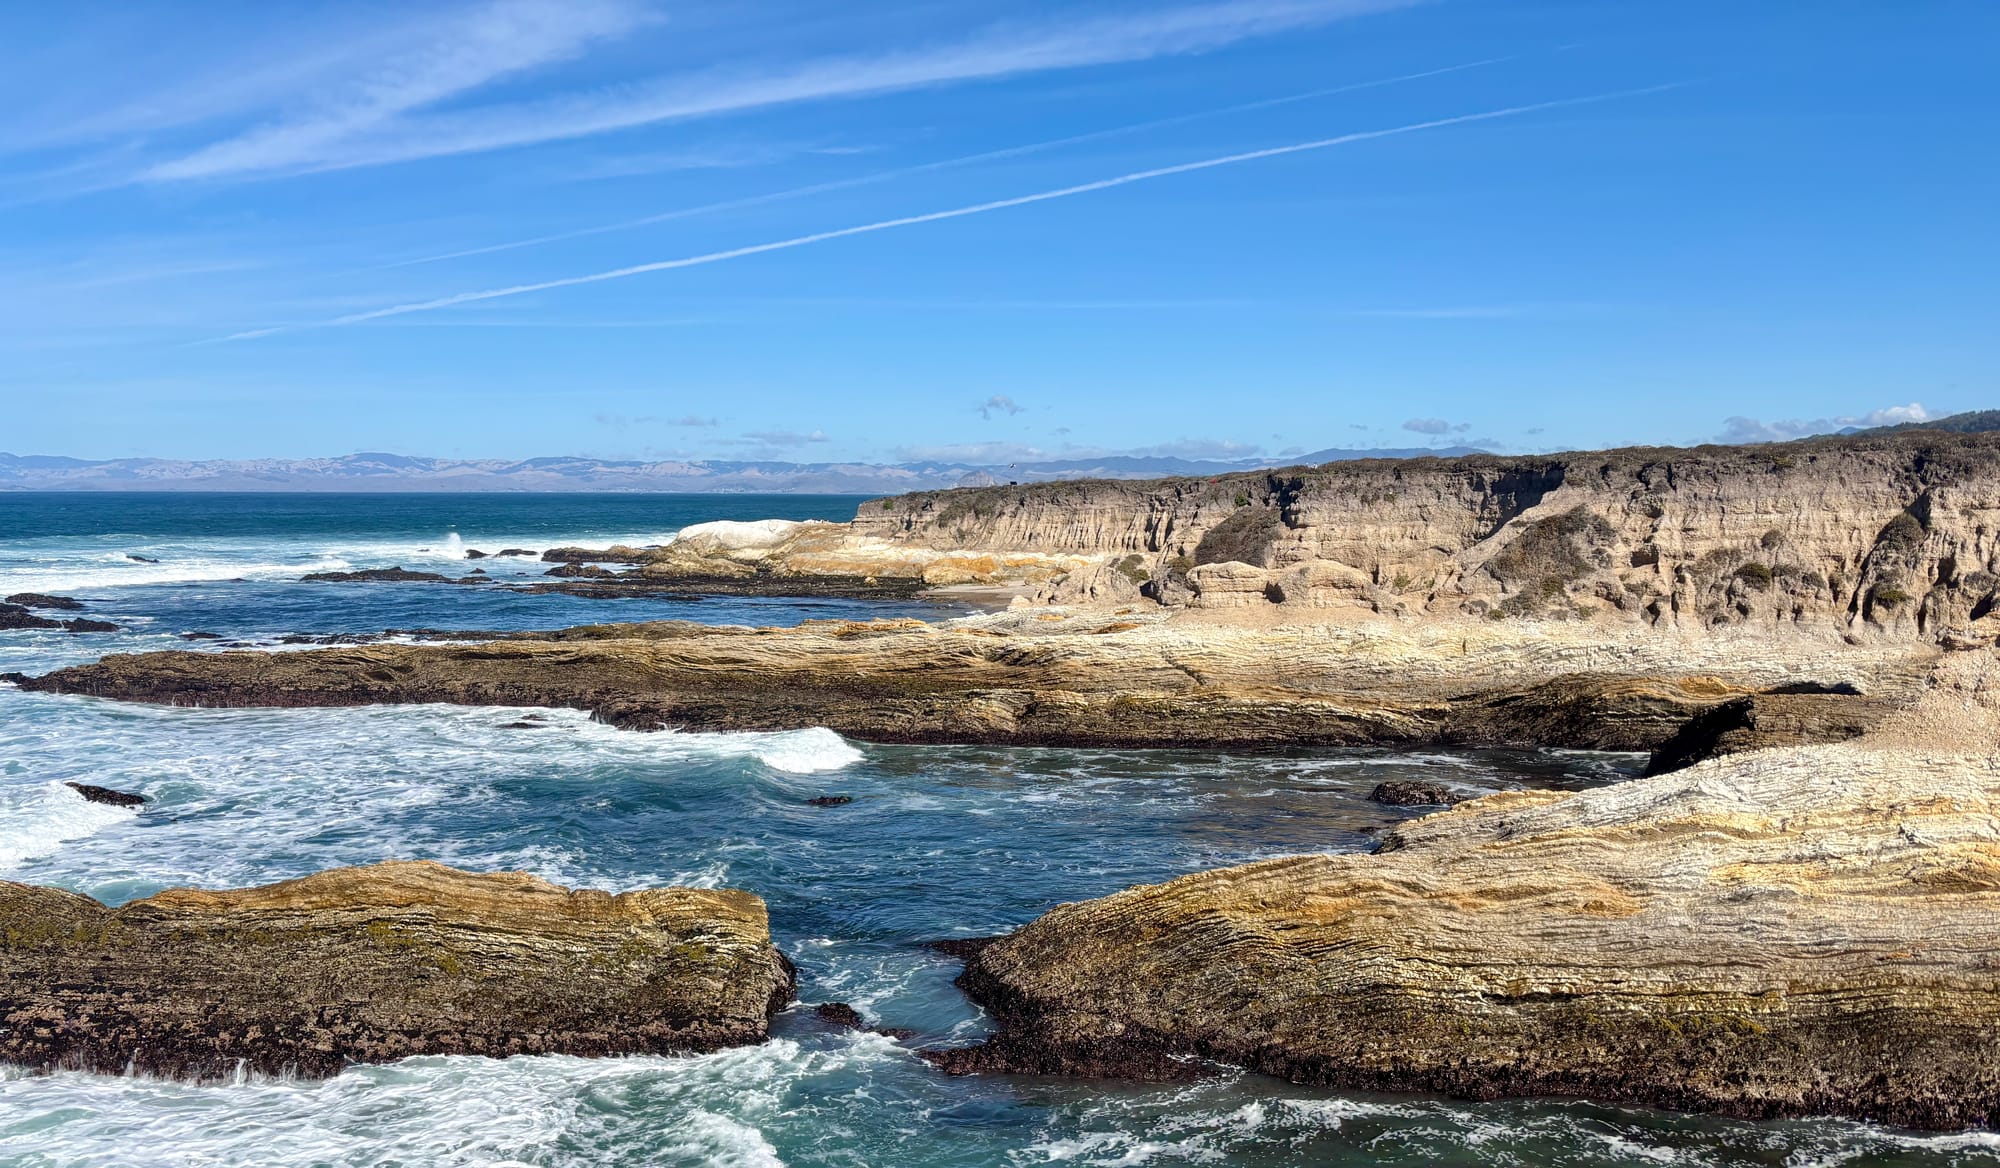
77, 564
705, 1110
38, 820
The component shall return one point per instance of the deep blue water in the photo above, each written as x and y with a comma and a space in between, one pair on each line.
940, 841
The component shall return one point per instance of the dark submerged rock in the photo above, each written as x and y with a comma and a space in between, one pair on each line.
83, 625
839, 1014
1414, 793
829, 800
14, 616
108, 796
201, 636
138, 559
396, 575
38, 600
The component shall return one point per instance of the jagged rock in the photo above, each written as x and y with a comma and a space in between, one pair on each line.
1758, 721
84, 625
516, 552
840, 1014
1800, 930
371, 964
577, 571
1414, 793
106, 795
14, 616
38, 600
474, 554
618, 554
396, 575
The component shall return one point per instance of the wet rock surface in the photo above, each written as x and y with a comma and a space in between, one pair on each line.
1414, 793
396, 575
371, 964
16, 616
39, 600
106, 795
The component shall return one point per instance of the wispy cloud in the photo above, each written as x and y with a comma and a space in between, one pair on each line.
1004, 453
1741, 429
882, 176
492, 42
939, 216
999, 403
783, 438
381, 119
1435, 426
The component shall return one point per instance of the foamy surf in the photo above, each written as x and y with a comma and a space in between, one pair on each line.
37, 821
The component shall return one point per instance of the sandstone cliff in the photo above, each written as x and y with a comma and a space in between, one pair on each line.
372, 964
1891, 535
1782, 932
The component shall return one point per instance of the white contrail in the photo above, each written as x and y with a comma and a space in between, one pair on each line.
938, 216
944, 164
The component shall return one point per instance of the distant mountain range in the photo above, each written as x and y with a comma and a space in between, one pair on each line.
396, 472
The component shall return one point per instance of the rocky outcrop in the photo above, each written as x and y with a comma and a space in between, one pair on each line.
1414, 793
370, 964
1761, 721
782, 555
40, 600
96, 794
396, 575
1783, 932
17, 616
1077, 678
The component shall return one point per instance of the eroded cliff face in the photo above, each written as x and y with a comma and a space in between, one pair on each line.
374, 964
1896, 535
1783, 932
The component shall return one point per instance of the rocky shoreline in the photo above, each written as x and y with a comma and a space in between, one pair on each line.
1077, 678
1793, 931
361, 965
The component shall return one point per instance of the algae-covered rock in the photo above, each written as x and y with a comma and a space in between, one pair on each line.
359, 965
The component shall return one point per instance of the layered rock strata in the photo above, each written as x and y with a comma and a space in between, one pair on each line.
1789, 931
1875, 536
1075, 678
360, 965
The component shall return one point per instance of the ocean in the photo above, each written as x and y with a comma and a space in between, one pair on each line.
939, 842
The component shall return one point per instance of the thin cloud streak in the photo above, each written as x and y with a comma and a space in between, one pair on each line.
945, 164
954, 213
998, 52
497, 40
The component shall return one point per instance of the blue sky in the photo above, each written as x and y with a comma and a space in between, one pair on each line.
895, 230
